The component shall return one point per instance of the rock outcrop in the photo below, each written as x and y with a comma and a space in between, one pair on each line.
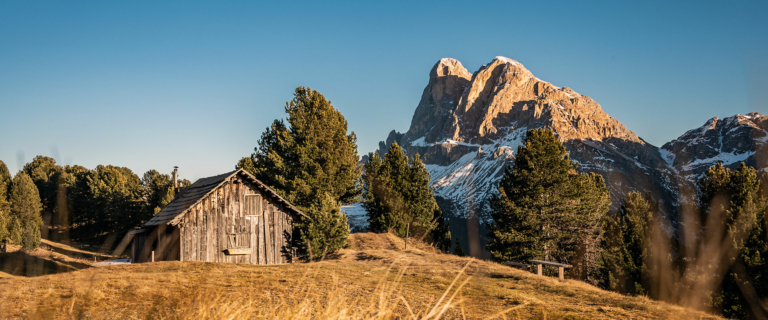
467, 129
732, 140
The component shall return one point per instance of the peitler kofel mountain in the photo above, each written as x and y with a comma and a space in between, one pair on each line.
467, 127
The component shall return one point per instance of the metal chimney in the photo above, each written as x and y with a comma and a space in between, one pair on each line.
175, 177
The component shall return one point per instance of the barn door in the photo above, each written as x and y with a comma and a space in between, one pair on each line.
252, 213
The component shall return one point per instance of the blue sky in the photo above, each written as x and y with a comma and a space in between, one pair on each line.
150, 85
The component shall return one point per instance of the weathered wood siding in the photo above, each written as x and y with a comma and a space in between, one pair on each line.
235, 216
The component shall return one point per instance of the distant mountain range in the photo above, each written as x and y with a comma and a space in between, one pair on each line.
467, 128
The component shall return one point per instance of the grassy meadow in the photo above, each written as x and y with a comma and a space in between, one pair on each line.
373, 278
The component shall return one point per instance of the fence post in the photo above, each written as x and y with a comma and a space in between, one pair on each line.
153, 255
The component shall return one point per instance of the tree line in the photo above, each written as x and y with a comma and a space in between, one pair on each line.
95, 206
716, 260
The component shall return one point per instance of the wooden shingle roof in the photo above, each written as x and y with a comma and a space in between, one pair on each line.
190, 196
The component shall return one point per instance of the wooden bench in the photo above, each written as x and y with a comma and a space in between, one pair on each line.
516, 264
560, 266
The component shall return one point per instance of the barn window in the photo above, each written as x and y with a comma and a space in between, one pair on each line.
239, 240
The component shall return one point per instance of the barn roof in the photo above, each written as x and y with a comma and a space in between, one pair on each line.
196, 192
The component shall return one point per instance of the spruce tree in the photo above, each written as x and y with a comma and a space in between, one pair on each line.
397, 198
5, 207
458, 250
626, 246
546, 210
731, 206
311, 156
327, 231
26, 207
116, 202
158, 190
45, 173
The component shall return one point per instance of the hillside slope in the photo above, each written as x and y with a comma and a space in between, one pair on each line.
373, 278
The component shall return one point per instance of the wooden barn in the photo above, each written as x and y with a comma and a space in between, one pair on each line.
231, 217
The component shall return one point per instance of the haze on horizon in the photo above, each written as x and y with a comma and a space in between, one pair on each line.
154, 85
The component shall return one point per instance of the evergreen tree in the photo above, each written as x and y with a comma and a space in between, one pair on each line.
397, 198
80, 204
45, 173
546, 210
309, 158
26, 206
626, 247
158, 190
116, 202
732, 208
312, 156
327, 231
458, 250
5, 207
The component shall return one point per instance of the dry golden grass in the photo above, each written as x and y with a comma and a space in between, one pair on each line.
374, 278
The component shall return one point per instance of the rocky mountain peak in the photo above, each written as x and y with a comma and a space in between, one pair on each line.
449, 67
467, 128
731, 140
501, 96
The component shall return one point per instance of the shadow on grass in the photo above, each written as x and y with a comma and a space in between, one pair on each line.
23, 264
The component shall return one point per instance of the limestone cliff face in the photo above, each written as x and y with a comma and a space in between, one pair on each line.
736, 139
467, 129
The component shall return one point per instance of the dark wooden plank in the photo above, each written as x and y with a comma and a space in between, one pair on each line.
281, 243
268, 255
550, 263
221, 228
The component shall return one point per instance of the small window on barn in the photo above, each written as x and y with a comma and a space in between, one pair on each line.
239, 240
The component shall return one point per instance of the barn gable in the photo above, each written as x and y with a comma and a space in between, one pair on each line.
232, 217
192, 195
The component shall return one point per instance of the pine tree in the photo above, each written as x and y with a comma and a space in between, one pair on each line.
397, 197
731, 207
80, 203
546, 210
116, 202
5, 207
309, 158
45, 173
458, 250
26, 207
312, 156
158, 190
626, 246
327, 231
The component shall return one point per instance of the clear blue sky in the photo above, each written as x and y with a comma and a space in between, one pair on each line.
156, 84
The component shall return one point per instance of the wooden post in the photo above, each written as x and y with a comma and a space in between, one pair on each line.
539, 268
561, 270
407, 228
153, 256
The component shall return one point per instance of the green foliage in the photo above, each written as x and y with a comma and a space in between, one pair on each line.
546, 210
626, 247
458, 250
108, 201
326, 231
45, 173
247, 164
5, 206
397, 194
733, 210
26, 206
158, 190
311, 157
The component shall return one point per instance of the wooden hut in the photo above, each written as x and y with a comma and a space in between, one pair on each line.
231, 217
